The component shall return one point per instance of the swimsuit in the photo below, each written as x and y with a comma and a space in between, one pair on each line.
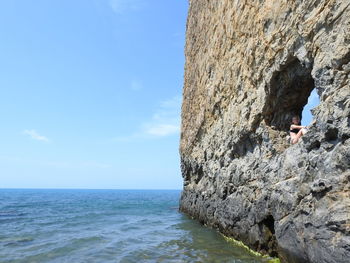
295, 130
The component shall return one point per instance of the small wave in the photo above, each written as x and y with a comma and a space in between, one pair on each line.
11, 213
18, 241
89, 239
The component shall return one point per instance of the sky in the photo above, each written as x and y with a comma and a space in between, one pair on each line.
91, 93
313, 101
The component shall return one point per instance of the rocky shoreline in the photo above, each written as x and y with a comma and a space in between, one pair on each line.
249, 68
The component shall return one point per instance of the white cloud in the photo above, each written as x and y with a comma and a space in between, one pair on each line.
174, 103
120, 6
163, 129
164, 122
35, 135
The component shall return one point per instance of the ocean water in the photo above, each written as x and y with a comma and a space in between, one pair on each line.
106, 226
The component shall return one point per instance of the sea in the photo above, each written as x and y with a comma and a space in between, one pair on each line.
50, 225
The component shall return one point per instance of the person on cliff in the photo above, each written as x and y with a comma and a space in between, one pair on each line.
296, 130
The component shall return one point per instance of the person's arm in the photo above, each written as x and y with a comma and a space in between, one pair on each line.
293, 126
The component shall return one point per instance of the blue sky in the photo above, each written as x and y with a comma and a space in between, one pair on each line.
312, 102
91, 93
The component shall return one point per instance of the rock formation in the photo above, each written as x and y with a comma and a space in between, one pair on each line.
250, 66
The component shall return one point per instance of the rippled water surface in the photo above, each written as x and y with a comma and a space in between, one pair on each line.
106, 226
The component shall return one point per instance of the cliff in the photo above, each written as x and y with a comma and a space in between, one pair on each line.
250, 66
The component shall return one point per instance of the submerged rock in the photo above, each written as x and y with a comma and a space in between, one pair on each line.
251, 66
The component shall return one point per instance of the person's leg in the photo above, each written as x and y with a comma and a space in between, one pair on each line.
303, 131
294, 138
297, 136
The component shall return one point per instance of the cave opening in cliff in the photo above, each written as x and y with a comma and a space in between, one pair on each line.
289, 91
313, 101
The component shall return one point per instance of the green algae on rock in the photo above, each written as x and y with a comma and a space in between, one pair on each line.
255, 253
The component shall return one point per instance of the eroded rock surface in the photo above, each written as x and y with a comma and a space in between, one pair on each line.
250, 66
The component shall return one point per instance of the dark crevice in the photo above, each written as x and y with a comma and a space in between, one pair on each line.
198, 174
269, 222
313, 145
289, 90
245, 144
267, 232
331, 134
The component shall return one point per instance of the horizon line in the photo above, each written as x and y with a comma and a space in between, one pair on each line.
130, 189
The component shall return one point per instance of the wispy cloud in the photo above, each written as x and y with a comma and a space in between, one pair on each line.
120, 6
35, 135
164, 122
163, 129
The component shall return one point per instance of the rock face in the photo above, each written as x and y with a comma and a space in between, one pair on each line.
250, 66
